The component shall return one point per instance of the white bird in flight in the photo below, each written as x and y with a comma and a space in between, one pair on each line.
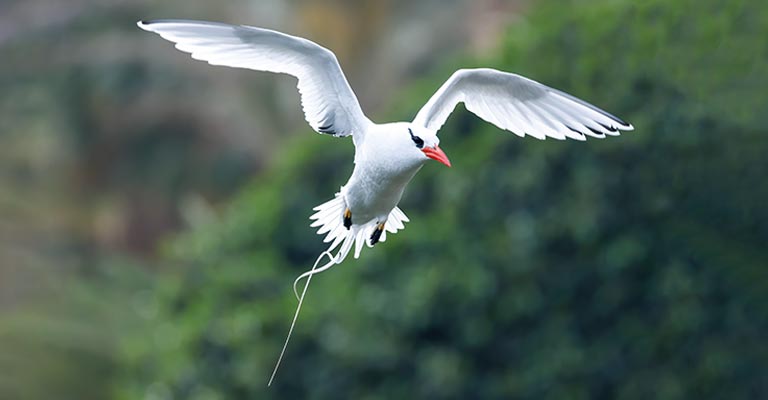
387, 156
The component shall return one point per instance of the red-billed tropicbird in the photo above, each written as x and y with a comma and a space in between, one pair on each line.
387, 156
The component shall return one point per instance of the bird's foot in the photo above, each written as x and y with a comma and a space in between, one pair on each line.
347, 218
376, 235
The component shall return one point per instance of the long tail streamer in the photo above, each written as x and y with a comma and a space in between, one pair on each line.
308, 275
328, 219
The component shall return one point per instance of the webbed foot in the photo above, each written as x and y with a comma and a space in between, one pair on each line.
347, 219
376, 235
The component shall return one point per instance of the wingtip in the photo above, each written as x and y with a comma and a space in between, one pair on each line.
625, 127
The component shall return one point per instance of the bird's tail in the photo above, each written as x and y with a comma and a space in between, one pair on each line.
329, 217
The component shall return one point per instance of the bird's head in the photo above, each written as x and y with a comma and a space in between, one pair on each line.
426, 141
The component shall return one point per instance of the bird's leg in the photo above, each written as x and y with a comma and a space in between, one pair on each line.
347, 218
376, 235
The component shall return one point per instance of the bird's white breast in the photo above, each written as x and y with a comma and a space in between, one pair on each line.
384, 164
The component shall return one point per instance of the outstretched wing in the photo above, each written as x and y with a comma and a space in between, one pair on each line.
519, 105
329, 104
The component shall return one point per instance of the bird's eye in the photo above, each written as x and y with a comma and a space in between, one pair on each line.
416, 139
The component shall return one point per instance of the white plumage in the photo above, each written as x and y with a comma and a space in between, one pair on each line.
387, 156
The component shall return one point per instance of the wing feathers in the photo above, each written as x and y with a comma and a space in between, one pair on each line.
519, 105
328, 102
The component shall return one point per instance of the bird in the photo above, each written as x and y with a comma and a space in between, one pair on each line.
387, 156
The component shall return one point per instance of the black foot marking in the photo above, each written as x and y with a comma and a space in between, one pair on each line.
376, 235
347, 219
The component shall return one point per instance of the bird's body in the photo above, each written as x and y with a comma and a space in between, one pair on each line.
387, 156
385, 162
381, 173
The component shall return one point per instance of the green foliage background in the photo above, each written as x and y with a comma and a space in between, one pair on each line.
633, 267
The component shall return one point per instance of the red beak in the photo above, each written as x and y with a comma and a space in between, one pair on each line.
436, 153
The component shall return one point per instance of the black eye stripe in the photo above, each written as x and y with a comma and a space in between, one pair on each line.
416, 139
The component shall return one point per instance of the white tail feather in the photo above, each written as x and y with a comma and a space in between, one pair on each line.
329, 219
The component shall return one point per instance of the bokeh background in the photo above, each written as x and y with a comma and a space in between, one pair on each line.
153, 209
